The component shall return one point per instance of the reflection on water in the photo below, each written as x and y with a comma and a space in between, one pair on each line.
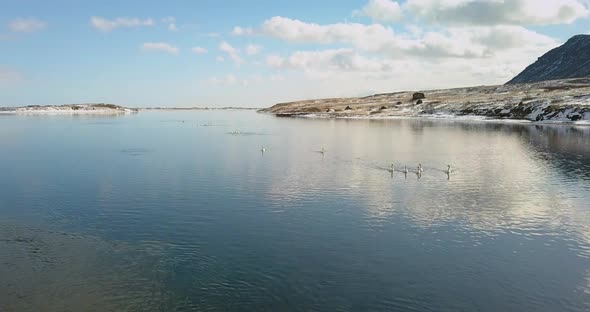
202, 220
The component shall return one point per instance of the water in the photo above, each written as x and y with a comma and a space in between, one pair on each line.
171, 211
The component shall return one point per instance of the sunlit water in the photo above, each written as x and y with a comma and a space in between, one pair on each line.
170, 211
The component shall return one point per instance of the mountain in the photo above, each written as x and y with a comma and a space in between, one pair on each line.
571, 60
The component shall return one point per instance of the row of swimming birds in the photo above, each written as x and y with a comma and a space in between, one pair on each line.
419, 168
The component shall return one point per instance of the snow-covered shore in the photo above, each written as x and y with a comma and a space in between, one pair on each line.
69, 109
558, 101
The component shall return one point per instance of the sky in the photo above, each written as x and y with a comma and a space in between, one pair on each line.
185, 53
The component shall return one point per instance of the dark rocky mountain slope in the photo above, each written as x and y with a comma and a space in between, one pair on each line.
571, 60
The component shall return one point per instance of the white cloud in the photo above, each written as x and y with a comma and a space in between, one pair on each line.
199, 50
377, 58
277, 77
238, 31
463, 42
498, 12
232, 52
275, 61
27, 25
160, 46
495, 55
332, 60
171, 21
229, 79
367, 37
253, 49
381, 10
106, 25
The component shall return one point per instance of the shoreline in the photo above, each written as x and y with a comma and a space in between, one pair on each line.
102, 109
565, 101
443, 118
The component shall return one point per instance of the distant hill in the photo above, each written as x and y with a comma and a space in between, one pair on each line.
566, 100
571, 60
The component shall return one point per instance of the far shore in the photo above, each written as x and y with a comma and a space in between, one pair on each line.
563, 101
556, 101
100, 108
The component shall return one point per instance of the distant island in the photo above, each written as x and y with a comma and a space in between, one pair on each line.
88, 108
98, 108
555, 88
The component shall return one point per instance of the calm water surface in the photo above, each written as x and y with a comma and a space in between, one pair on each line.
170, 211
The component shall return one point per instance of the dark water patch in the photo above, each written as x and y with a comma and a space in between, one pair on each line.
45, 270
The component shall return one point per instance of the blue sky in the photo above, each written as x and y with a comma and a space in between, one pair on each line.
257, 53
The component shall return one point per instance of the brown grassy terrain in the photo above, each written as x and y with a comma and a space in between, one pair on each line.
560, 100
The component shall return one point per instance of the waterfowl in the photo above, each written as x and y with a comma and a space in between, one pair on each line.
405, 169
420, 169
448, 171
323, 151
263, 149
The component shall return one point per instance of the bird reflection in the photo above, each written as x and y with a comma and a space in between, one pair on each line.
448, 172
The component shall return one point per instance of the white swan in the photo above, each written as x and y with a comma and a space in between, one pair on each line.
405, 169
392, 168
448, 171
263, 149
420, 169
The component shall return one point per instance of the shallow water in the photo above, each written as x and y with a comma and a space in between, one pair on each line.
181, 211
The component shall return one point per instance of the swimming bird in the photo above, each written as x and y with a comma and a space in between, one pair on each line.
406, 169
420, 169
263, 149
448, 171
323, 151
392, 169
